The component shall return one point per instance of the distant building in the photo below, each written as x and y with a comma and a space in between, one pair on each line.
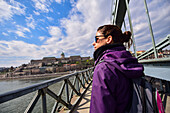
75, 58
50, 65
62, 55
54, 61
36, 62
140, 52
85, 58
48, 60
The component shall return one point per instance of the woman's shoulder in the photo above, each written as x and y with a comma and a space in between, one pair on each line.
100, 65
104, 67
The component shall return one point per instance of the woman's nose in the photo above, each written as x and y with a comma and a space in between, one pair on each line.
93, 43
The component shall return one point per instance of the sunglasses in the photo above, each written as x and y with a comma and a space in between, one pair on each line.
96, 37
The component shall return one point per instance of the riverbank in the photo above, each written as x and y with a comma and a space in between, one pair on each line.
37, 76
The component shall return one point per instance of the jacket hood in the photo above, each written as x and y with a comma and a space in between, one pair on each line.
117, 56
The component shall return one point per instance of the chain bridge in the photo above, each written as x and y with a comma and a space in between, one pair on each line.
75, 91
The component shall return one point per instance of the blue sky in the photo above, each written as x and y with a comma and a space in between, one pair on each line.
33, 29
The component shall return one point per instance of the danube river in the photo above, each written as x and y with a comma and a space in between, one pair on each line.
20, 104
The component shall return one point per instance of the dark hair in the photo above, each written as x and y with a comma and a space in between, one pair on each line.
116, 33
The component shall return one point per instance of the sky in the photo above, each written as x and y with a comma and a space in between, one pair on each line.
33, 29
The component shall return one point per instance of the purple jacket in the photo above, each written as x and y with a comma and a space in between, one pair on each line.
111, 89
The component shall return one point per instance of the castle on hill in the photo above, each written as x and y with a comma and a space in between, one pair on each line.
46, 61
52, 65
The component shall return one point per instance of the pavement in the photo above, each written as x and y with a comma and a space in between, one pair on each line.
84, 106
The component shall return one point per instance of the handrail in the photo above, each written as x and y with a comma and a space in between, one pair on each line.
81, 78
164, 43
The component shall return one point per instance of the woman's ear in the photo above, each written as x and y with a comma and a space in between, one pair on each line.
109, 39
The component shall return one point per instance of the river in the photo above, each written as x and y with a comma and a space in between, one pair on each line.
19, 105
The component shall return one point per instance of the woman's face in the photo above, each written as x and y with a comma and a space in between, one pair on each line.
100, 40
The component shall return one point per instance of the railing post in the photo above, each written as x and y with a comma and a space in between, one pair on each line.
131, 28
80, 81
88, 75
83, 81
151, 31
44, 106
84, 78
77, 85
92, 73
67, 91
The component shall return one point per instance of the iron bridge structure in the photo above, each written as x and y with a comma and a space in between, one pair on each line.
157, 71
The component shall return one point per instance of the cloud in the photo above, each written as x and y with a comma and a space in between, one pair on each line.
54, 31
159, 15
79, 29
58, 1
14, 61
36, 13
42, 5
5, 34
15, 53
21, 30
8, 9
41, 38
50, 18
30, 22
19, 33
75, 33
56, 37
74, 36
15, 48
81, 25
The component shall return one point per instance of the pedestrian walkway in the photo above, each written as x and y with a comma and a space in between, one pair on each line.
167, 110
84, 105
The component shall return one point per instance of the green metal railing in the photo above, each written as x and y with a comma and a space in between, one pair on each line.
82, 79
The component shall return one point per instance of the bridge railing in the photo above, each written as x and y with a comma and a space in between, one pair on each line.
164, 43
163, 86
82, 79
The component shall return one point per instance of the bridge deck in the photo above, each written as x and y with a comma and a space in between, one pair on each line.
84, 105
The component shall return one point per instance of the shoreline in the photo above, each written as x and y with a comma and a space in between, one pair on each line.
36, 76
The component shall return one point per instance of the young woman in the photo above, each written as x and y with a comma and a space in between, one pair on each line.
114, 67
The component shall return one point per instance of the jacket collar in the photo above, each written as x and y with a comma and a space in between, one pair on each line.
100, 51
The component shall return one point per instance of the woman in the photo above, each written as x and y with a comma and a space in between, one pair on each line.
114, 67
